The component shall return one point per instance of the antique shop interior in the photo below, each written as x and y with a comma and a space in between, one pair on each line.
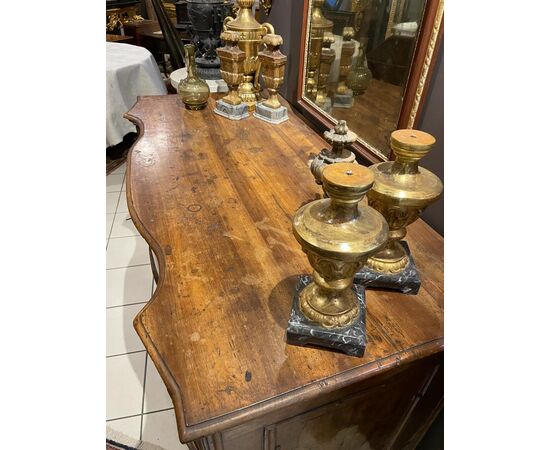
274, 224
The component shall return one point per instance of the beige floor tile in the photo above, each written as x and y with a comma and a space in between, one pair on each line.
129, 285
160, 429
125, 385
121, 335
127, 251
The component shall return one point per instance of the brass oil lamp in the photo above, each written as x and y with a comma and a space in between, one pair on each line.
340, 137
318, 27
251, 34
337, 234
231, 69
273, 64
401, 191
327, 58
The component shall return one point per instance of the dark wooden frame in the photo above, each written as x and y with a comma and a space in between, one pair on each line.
425, 55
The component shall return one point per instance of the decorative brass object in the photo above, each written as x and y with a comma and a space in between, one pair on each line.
193, 91
401, 191
359, 76
250, 38
273, 64
327, 58
348, 48
118, 17
338, 234
266, 5
339, 137
319, 25
232, 68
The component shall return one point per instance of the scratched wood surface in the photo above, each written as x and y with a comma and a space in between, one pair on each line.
214, 199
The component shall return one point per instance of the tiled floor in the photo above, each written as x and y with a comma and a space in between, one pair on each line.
138, 404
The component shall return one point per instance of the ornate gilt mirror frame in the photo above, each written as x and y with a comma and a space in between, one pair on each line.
427, 46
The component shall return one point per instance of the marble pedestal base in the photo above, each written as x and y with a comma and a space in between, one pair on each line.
233, 112
406, 281
271, 115
301, 331
343, 100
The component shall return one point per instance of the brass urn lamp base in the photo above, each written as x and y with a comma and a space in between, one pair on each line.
380, 273
401, 191
350, 339
338, 234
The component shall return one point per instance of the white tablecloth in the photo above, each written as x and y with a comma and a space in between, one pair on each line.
131, 71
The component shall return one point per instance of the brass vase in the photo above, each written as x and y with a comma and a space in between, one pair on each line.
338, 234
340, 137
193, 91
251, 33
401, 191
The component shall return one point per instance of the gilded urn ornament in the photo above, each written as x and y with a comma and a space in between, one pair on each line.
338, 234
318, 28
232, 68
251, 33
327, 58
340, 137
401, 191
344, 95
193, 91
273, 64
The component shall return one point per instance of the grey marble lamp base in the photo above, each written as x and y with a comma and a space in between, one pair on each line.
271, 115
233, 112
407, 281
343, 100
301, 331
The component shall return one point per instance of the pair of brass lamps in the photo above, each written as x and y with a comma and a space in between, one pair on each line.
352, 244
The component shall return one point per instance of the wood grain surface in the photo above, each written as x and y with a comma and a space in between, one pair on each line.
214, 199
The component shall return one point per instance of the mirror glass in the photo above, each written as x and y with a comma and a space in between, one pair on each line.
358, 59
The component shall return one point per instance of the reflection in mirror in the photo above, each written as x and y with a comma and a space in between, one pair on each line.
359, 57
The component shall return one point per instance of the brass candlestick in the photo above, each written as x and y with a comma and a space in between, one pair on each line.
339, 137
273, 64
318, 26
231, 68
402, 190
250, 38
327, 58
337, 234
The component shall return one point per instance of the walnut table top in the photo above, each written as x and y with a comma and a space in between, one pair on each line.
214, 199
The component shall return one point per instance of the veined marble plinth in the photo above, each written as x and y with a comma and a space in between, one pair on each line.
343, 100
214, 85
271, 115
301, 331
233, 112
407, 281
